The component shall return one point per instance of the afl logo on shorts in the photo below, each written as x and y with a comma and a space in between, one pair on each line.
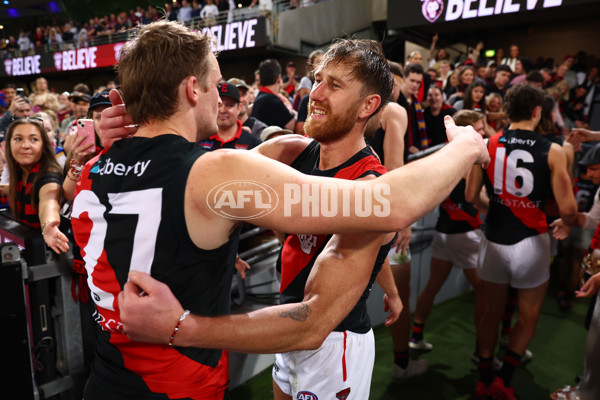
307, 396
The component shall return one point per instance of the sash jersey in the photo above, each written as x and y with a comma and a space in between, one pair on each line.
518, 184
456, 214
300, 252
584, 190
129, 214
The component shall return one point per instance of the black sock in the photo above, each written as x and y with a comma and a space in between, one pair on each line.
401, 358
511, 362
417, 332
486, 370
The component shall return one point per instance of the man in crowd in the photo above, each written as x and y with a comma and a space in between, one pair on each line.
160, 169
270, 106
20, 107
81, 103
526, 170
254, 125
230, 134
501, 79
416, 138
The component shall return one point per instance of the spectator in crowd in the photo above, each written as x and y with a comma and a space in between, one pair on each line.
436, 56
248, 122
41, 97
416, 137
20, 107
522, 67
39, 39
196, 8
270, 106
415, 57
12, 47
68, 38
307, 81
230, 134
535, 78
511, 60
444, 69
474, 98
54, 40
81, 103
435, 112
290, 80
185, 12
209, 13
35, 179
466, 76
24, 44
496, 117
501, 79
10, 91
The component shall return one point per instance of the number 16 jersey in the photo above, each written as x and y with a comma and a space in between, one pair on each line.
518, 184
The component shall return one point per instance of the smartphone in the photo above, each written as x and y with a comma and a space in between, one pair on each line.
85, 128
21, 92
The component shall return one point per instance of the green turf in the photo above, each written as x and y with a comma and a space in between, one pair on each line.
557, 357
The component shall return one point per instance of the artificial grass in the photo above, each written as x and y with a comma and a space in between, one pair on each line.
557, 347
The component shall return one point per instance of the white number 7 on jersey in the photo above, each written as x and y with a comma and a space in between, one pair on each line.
146, 204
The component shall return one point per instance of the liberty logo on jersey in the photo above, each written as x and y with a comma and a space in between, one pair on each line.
107, 167
307, 396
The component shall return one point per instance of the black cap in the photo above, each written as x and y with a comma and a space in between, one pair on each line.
76, 96
229, 90
100, 99
592, 156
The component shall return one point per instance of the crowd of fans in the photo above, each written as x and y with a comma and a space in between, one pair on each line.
76, 34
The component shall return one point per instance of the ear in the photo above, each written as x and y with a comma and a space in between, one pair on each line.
370, 104
537, 111
191, 89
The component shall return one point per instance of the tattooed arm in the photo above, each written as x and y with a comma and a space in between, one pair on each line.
336, 282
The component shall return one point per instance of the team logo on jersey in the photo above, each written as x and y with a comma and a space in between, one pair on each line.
307, 243
226, 198
432, 9
307, 396
343, 394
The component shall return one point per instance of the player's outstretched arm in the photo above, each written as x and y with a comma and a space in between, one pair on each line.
310, 204
335, 284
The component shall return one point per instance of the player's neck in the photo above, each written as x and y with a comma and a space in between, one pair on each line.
167, 127
336, 153
523, 125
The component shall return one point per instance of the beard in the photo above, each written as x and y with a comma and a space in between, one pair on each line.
336, 126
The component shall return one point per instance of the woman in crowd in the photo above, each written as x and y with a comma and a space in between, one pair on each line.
466, 76
474, 98
35, 179
496, 117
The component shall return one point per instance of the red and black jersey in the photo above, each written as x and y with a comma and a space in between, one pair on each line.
457, 215
518, 184
128, 213
242, 140
300, 252
26, 210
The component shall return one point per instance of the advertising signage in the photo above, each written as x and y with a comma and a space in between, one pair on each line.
236, 35
408, 13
